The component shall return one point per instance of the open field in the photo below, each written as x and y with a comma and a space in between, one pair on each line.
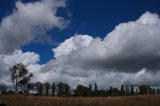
152, 100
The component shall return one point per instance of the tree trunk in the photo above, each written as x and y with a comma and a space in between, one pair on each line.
16, 86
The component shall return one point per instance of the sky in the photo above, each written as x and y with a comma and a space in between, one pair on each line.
109, 42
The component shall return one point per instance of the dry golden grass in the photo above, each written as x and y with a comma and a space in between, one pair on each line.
148, 100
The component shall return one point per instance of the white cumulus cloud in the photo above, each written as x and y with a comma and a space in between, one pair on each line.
128, 55
72, 44
30, 22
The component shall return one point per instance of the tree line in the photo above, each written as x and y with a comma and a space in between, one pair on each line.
20, 77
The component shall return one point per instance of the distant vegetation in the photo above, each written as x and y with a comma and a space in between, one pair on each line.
20, 77
61, 94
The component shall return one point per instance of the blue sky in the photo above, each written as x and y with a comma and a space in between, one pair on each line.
95, 18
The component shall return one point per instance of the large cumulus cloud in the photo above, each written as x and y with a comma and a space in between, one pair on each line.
129, 47
30, 22
134, 45
130, 54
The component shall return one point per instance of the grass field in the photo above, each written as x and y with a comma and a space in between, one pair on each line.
152, 100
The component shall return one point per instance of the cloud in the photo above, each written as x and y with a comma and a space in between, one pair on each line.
30, 59
130, 47
128, 55
142, 77
72, 44
134, 45
19, 57
30, 22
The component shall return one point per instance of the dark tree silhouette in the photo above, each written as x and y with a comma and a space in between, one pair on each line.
81, 90
116, 92
39, 88
19, 73
110, 91
137, 92
122, 90
53, 88
90, 90
132, 92
24, 82
102, 93
47, 87
63, 89
95, 90
67, 89
30, 86
21, 76
3, 88
144, 89
60, 89
158, 91
127, 91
